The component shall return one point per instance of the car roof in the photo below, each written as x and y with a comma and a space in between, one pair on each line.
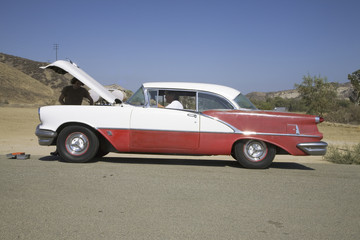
228, 92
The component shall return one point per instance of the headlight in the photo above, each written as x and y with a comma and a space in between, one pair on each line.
39, 113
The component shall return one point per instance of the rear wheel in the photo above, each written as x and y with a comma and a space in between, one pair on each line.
77, 144
254, 153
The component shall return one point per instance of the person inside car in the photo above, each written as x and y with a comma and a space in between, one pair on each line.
173, 99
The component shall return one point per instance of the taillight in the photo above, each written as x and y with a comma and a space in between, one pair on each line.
319, 119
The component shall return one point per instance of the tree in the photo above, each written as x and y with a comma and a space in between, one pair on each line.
318, 94
355, 82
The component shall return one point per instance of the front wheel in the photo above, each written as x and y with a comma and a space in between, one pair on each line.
77, 144
254, 153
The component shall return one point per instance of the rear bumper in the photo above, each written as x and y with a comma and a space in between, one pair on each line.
46, 137
313, 148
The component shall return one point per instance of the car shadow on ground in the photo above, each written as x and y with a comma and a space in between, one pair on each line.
290, 165
181, 161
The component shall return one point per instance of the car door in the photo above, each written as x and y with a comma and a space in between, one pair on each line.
163, 130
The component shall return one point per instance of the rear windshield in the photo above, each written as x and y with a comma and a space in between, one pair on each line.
244, 102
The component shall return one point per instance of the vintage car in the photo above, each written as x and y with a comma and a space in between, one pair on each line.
213, 120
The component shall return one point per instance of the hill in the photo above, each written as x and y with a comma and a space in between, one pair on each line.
17, 87
23, 82
343, 92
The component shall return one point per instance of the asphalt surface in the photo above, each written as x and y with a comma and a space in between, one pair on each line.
131, 197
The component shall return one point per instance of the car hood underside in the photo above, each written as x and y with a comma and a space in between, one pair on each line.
63, 67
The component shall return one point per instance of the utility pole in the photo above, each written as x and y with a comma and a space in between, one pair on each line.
56, 47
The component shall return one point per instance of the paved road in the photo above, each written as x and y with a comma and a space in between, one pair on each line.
177, 198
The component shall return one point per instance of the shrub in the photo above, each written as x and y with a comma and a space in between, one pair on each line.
4, 101
349, 114
343, 155
318, 94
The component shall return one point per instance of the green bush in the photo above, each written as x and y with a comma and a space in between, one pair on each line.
343, 155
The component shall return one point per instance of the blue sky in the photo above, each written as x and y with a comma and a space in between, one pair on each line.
248, 45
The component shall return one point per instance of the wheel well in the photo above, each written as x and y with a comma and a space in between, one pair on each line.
279, 150
103, 142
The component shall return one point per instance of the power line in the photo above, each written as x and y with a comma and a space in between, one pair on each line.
56, 47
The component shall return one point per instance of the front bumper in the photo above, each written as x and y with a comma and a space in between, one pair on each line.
46, 137
313, 148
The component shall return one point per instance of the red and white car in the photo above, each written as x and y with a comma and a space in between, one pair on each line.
215, 120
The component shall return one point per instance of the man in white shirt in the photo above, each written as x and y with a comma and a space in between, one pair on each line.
173, 99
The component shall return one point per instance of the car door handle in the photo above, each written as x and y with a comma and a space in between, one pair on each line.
192, 115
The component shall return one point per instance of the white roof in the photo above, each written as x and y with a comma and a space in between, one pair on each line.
227, 92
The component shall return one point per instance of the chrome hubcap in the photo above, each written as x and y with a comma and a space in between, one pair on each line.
77, 143
255, 150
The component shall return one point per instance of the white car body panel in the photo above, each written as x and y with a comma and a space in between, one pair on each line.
95, 116
213, 125
129, 117
164, 119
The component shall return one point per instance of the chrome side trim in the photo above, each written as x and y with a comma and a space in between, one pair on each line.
280, 134
45, 137
313, 148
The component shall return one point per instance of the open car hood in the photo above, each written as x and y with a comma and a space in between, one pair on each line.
63, 67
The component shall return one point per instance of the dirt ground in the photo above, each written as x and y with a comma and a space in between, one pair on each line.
17, 134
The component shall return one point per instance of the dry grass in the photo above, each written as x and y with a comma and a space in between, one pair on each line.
340, 134
17, 87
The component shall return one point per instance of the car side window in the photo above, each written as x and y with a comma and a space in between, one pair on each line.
157, 98
210, 101
154, 98
138, 99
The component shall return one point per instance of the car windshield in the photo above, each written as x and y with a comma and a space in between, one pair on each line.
138, 99
244, 102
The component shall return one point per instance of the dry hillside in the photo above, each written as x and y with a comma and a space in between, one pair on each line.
23, 82
343, 91
19, 88
32, 68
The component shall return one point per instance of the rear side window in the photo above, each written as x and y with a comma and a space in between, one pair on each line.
210, 101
